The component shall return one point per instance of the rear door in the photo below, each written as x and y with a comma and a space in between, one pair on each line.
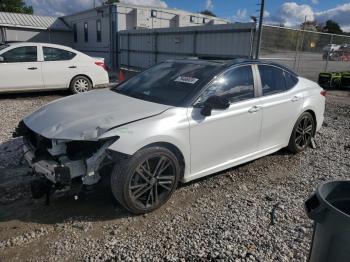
20, 69
282, 104
58, 67
217, 141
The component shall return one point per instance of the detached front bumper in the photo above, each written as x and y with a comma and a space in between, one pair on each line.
54, 171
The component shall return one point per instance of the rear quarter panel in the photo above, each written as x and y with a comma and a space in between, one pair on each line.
313, 100
86, 66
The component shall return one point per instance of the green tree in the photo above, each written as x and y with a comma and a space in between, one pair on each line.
207, 12
332, 27
15, 6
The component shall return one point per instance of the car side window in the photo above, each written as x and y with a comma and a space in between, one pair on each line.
291, 80
56, 54
272, 80
235, 85
21, 54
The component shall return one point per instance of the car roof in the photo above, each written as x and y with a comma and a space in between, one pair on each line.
228, 62
12, 44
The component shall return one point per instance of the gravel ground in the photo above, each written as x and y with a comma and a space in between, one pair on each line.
250, 213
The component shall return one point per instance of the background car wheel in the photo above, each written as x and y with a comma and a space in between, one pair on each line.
80, 84
302, 133
146, 181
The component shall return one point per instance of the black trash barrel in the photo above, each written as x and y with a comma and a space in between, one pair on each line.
329, 208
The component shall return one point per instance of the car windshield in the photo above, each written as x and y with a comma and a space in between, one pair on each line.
168, 83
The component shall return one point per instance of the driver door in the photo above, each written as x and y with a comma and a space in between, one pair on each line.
20, 69
228, 136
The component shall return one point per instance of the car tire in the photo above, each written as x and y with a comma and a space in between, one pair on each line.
303, 131
145, 181
80, 84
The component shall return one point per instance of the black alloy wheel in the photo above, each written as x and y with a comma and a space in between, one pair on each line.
147, 180
152, 181
302, 134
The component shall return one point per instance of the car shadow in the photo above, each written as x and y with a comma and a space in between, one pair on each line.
98, 204
23, 95
282, 152
16, 202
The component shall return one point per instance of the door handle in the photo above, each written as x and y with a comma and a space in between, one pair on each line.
72, 67
32, 68
295, 98
254, 109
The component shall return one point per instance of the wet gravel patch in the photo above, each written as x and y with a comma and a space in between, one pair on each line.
250, 213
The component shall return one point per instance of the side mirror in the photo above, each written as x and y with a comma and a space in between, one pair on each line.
1, 59
214, 102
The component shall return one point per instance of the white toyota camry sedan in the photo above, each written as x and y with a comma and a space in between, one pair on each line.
37, 67
177, 121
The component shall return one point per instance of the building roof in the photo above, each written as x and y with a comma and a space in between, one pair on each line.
159, 8
32, 21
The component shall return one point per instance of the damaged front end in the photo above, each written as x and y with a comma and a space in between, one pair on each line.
58, 163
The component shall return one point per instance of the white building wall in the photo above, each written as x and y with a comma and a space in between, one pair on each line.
128, 17
92, 47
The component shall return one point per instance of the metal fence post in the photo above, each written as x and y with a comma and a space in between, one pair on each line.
296, 50
155, 47
302, 45
328, 54
252, 40
195, 33
128, 45
261, 17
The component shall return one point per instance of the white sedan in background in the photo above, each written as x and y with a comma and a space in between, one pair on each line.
38, 66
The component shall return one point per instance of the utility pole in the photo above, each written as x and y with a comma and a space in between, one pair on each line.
262, 8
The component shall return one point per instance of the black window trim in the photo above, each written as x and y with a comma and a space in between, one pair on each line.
98, 32
86, 32
260, 82
75, 33
255, 79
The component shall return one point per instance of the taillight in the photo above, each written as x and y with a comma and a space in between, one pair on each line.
102, 64
323, 93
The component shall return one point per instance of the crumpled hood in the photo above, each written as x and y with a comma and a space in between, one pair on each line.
87, 116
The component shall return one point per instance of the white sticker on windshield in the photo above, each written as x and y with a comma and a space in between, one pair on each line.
186, 79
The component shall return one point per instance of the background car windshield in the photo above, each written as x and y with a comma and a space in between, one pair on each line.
168, 83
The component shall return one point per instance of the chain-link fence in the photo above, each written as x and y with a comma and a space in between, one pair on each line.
307, 52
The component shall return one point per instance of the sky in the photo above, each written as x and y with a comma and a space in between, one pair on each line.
290, 13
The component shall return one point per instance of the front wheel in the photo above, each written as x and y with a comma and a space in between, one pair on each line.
302, 133
146, 181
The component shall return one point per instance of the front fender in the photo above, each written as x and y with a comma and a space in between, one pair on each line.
170, 127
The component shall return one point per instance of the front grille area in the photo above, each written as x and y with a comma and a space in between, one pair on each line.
75, 150
82, 149
37, 143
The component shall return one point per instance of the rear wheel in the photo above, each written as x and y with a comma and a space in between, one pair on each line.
80, 84
302, 133
147, 180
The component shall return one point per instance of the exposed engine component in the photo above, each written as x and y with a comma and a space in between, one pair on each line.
61, 161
